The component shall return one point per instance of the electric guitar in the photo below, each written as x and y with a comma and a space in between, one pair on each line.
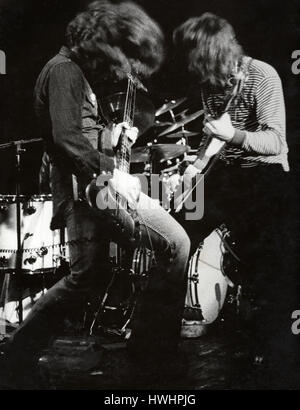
209, 157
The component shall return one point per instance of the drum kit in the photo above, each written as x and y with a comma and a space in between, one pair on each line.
28, 246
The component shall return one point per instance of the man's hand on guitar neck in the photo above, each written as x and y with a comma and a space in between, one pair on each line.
221, 128
116, 129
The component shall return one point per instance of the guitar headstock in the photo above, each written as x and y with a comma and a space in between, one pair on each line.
136, 82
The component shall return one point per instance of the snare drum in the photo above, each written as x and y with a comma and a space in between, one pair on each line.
41, 247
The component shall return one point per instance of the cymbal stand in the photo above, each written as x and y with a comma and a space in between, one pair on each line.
18, 152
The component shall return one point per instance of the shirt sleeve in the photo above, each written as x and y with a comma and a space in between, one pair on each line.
66, 93
270, 114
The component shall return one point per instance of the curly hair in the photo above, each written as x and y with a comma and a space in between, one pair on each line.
118, 37
208, 46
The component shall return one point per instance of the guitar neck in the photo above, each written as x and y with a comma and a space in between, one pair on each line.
129, 110
124, 154
215, 145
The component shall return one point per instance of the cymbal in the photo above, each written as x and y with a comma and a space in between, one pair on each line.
169, 106
183, 133
140, 154
182, 122
113, 109
158, 152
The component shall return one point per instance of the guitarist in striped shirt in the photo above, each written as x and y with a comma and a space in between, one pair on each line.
244, 188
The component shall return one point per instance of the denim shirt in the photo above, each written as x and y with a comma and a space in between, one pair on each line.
67, 114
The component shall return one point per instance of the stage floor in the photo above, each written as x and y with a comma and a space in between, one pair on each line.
214, 361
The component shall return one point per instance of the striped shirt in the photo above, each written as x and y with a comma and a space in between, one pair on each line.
259, 112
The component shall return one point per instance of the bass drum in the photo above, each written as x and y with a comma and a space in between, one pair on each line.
42, 248
207, 281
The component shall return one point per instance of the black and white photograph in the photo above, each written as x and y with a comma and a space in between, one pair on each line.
149, 197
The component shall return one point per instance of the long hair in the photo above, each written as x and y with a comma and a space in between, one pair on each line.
116, 37
208, 46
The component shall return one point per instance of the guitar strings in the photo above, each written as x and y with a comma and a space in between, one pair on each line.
124, 160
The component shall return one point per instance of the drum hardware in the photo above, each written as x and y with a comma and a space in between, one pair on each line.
121, 310
3, 261
29, 209
162, 123
31, 260
28, 235
3, 208
195, 278
181, 114
134, 275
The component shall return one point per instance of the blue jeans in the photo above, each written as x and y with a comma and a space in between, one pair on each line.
159, 312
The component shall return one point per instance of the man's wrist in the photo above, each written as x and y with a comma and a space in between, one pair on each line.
238, 137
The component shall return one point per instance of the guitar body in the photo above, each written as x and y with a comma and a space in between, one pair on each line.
110, 204
204, 165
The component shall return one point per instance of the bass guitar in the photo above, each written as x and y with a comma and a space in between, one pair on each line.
99, 193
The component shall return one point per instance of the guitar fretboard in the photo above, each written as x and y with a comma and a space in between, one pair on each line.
125, 150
